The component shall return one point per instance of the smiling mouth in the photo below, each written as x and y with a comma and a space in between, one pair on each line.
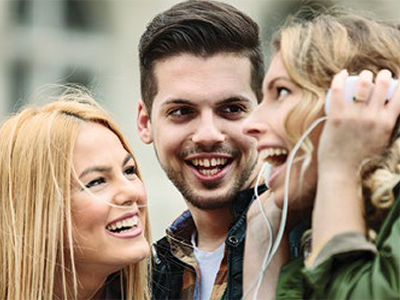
274, 156
209, 166
125, 225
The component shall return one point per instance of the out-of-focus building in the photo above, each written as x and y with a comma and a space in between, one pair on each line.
89, 42
94, 43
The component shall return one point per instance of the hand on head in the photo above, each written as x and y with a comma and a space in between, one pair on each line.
360, 129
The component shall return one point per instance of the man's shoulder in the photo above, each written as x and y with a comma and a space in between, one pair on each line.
162, 244
177, 234
244, 198
160, 250
166, 274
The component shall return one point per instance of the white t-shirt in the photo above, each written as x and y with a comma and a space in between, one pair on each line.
209, 263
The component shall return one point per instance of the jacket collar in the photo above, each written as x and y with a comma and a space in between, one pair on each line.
183, 227
243, 200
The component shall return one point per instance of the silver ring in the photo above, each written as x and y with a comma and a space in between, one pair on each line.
357, 100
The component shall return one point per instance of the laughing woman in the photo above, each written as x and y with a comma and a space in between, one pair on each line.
345, 177
72, 205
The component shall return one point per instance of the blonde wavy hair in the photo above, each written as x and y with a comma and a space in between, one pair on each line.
313, 50
36, 147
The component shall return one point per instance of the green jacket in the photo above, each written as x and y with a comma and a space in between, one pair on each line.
352, 267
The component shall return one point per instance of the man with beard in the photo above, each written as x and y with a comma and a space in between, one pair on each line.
201, 72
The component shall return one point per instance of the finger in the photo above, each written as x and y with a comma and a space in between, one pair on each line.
394, 102
337, 89
382, 84
363, 88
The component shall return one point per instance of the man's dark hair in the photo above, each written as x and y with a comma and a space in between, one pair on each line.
202, 28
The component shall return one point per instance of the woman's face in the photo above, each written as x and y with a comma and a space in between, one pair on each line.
106, 238
266, 124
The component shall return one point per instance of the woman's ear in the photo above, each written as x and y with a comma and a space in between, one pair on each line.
143, 124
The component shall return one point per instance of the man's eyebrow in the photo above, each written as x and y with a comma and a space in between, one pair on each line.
234, 99
177, 101
227, 100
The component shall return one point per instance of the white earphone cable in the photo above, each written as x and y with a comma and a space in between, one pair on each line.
275, 245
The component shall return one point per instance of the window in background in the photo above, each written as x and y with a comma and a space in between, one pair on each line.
53, 41
282, 9
21, 10
86, 15
79, 76
20, 73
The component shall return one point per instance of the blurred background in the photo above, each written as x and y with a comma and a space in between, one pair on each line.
94, 43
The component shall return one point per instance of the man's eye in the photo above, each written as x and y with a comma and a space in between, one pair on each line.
282, 92
95, 182
180, 112
130, 172
233, 112
233, 109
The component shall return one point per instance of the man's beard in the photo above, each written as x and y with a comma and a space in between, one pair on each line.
209, 203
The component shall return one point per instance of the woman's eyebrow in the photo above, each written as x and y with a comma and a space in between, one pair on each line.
127, 158
101, 169
272, 82
104, 169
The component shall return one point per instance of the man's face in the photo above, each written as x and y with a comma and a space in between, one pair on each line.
196, 123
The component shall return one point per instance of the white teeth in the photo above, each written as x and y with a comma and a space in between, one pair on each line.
209, 172
130, 222
206, 162
213, 162
272, 152
273, 155
216, 163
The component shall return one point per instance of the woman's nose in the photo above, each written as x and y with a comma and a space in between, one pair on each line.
130, 192
255, 124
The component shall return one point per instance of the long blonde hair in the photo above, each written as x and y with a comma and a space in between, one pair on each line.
36, 147
314, 50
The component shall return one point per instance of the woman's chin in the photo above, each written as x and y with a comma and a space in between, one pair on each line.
295, 203
139, 253
278, 197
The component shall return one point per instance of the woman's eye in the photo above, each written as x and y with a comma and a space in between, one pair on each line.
130, 172
282, 92
95, 182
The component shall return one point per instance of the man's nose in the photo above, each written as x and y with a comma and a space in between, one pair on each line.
208, 131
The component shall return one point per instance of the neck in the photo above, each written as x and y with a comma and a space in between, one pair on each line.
295, 217
90, 285
212, 227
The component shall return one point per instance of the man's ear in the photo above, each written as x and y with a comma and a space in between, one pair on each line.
143, 124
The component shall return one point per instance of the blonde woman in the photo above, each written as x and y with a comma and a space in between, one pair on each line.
344, 180
72, 205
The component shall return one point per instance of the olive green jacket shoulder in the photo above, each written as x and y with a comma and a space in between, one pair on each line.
351, 268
